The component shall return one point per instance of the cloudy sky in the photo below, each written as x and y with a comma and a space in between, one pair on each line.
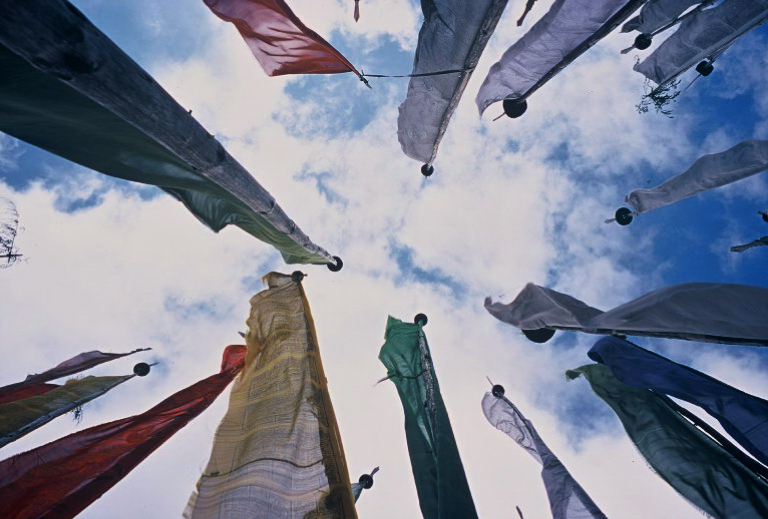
115, 266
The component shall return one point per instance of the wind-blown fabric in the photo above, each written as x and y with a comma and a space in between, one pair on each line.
655, 14
707, 312
702, 35
754, 243
35, 385
70, 90
567, 500
452, 37
21, 417
277, 451
743, 416
692, 463
568, 30
278, 39
437, 469
708, 172
60, 479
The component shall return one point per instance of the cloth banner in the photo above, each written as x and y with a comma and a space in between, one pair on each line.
437, 469
277, 451
567, 500
60, 479
706, 312
743, 416
452, 37
82, 98
708, 172
279, 40
21, 417
683, 456
35, 385
568, 30
703, 35
655, 14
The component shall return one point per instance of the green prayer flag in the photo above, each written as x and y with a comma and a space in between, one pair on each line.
690, 461
23, 416
437, 469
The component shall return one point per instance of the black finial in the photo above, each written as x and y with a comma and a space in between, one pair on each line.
765, 217
427, 169
705, 68
514, 108
624, 216
539, 336
643, 41
420, 319
497, 391
366, 480
297, 276
141, 369
335, 267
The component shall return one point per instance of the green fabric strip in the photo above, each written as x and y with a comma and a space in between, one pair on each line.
23, 416
437, 469
690, 461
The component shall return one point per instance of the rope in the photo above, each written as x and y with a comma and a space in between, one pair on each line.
438, 73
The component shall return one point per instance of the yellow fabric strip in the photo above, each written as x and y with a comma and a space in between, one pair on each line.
277, 453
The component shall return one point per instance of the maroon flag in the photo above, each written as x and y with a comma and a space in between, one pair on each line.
34, 385
279, 40
60, 479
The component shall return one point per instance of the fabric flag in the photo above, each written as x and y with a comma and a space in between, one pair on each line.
437, 469
70, 90
568, 30
708, 172
60, 479
754, 243
704, 35
277, 451
567, 499
707, 312
655, 14
690, 461
452, 38
35, 385
279, 40
743, 416
21, 417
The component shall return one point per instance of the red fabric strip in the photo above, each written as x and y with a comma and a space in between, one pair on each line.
280, 41
60, 479
24, 391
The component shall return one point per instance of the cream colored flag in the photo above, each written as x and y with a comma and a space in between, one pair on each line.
277, 453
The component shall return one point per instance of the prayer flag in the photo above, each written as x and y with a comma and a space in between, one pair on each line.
655, 14
567, 500
21, 417
568, 30
35, 385
60, 479
278, 39
70, 90
277, 451
705, 34
451, 40
708, 172
691, 462
707, 312
437, 469
743, 416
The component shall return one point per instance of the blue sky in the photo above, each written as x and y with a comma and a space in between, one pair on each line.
113, 265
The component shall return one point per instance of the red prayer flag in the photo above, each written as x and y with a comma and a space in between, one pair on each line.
60, 479
34, 385
279, 40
